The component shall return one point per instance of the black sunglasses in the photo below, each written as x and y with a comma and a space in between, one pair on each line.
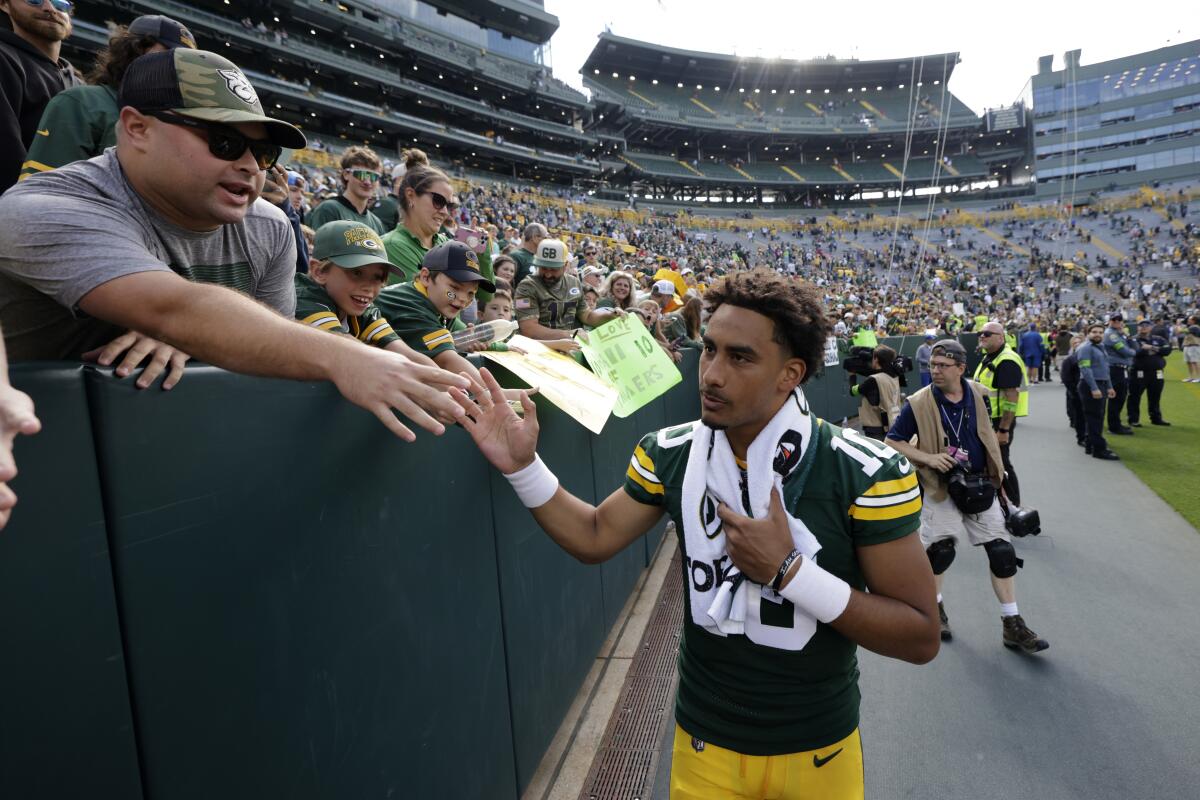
224, 142
440, 202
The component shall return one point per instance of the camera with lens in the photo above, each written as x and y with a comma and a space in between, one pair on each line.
860, 359
1022, 521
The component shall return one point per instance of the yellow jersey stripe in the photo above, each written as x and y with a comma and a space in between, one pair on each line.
887, 512
439, 333
382, 333
321, 317
373, 330
643, 459
892, 487
652, 488
329, 325
441, 340
36, 166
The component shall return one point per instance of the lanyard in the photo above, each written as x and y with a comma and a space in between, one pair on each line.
950, 426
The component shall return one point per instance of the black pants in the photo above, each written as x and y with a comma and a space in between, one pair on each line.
1044, 371
1121, 386
1093, 416
1144, 380
1012, 487
1075, 413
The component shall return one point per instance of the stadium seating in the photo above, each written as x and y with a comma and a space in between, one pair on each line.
876, 171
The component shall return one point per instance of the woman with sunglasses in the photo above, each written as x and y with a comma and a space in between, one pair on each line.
31, 72
427, 205
360, 174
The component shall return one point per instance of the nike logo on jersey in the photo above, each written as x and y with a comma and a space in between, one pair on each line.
819, 762
44, 133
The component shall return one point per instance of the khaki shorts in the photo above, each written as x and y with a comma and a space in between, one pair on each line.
942, 520
1191, 354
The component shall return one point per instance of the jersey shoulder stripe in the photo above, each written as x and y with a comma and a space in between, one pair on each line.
659, 461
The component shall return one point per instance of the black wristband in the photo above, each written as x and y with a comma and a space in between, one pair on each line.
783, 569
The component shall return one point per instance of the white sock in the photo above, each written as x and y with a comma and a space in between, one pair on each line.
939, 597
1008, 609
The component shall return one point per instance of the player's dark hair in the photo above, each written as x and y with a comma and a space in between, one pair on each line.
111, 62
793, 306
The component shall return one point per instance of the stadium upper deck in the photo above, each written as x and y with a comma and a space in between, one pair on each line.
694, 124
361, 73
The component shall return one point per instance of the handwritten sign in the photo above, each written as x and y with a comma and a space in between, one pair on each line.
624, 354
583, 396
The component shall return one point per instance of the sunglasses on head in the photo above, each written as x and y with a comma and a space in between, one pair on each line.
65, 6
440, 202
224, 142
365, 175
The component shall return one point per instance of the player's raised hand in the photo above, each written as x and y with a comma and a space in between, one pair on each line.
507, 440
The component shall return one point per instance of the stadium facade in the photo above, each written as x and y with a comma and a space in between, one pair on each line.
467, 81
1133, 120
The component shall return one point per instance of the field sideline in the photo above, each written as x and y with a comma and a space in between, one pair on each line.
1168, 459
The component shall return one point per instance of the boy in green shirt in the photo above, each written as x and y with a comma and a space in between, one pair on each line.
346, 274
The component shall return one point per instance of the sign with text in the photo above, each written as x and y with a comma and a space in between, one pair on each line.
585, 397
624, 354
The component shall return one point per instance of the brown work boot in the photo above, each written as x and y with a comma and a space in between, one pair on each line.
1018, 636
947, 634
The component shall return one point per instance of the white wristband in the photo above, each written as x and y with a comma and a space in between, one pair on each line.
534, 484
817, 592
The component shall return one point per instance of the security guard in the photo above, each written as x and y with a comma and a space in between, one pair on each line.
1094, 391
1002, 373
1147, 375
1120, 349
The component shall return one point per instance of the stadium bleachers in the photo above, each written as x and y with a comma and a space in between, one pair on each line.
874, 171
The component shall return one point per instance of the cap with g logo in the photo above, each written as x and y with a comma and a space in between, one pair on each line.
350, 245
200, 85
551, 254
459, 262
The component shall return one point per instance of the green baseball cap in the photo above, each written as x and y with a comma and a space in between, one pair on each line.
200, 85
350, 245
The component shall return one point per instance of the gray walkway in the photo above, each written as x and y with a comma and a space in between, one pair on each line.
1112, 710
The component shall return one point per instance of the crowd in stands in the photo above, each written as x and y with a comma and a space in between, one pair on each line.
155, 221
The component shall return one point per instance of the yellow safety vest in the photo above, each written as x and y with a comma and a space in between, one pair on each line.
984, 376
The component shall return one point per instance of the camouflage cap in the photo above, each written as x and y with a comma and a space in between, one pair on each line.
200, 85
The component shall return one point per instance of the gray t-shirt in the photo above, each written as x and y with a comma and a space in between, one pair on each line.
65, 232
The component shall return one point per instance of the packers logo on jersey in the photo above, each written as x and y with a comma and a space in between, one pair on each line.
788, 452
708, 517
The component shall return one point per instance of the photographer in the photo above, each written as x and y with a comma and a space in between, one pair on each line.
880, 392
960, 469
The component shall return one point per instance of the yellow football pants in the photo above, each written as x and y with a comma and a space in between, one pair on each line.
831, 773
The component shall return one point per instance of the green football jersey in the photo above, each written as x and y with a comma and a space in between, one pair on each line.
754, 698
315, 308
77, 124
559, 306
416, 320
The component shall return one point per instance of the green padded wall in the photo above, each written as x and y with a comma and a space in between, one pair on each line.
66, 729
312, 605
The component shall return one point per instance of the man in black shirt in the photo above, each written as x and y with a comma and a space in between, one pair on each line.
1149, 361
31, 73
1068, 371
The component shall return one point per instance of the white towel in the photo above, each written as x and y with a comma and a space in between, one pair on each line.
729, 602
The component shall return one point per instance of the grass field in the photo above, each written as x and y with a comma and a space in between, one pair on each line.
1168, 459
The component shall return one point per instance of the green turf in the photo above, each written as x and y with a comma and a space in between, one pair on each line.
1168, 459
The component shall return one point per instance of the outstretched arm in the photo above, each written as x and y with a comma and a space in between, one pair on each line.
589, 533
16, 417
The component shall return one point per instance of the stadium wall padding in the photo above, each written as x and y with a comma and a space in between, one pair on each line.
247, 587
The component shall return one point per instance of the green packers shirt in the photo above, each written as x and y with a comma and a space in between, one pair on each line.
339, 208
315, 308
753, 698
559, 306
77, 124
407, 307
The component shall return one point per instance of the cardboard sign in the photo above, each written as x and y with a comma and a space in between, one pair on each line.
624, 354
560, 379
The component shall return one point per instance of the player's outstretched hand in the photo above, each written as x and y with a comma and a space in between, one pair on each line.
507, 440
380, 381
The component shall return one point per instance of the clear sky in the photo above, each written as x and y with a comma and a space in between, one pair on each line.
999, 42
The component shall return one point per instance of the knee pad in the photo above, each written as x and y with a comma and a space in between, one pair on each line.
1002, 558
941, 555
